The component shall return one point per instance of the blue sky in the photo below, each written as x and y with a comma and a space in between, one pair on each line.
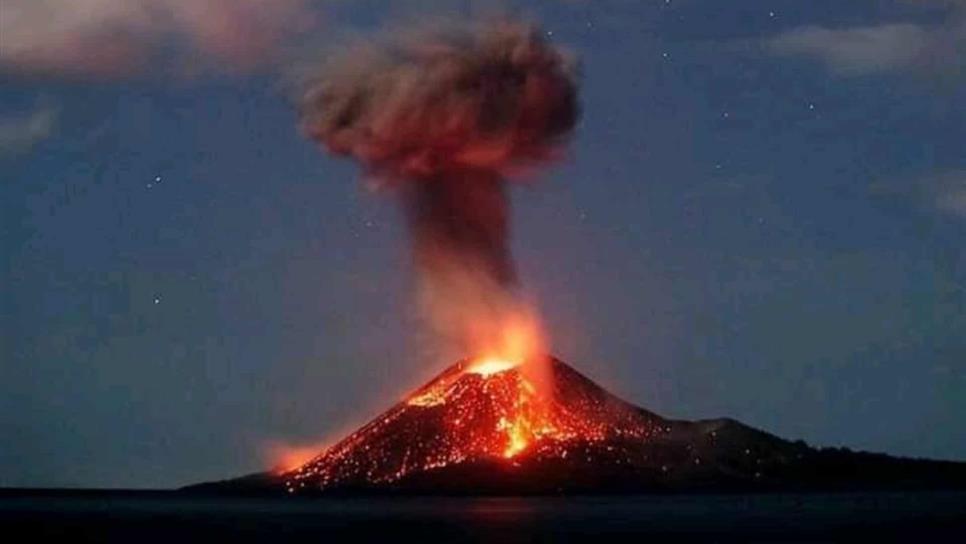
762, 216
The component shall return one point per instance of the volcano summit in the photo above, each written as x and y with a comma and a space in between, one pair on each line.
482, 427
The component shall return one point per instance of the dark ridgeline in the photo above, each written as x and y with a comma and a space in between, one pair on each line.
453, 437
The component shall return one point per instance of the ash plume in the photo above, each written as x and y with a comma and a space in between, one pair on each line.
443, 117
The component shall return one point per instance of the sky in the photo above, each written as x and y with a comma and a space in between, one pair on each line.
762, 215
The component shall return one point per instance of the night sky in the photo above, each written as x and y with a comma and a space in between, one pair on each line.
762, 216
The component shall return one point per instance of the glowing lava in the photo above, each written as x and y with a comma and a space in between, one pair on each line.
518, 437
516, 401
483, 410
490, 366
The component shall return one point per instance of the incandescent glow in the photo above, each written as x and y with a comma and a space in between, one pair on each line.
286, 457
478, 411
518, 437
507, 341
493, 365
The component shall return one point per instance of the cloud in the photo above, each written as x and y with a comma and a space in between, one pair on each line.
19, 133
880, 49
942, 191
951, 197
856, 51
112, 37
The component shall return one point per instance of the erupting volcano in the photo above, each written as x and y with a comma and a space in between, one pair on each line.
443, 118
484, 426
481, 412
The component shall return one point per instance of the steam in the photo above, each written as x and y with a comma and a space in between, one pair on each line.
443, 116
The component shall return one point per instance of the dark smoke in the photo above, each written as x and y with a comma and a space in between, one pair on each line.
445, 115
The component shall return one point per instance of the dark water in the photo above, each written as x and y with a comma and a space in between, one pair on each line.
125, 517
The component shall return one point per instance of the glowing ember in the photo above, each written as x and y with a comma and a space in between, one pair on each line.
518, 437
482, 410
487, 367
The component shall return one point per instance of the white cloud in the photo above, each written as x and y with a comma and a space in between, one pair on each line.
19, 133
108, 37
884, 48
857, 51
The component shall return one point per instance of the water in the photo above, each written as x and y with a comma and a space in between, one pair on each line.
162, 517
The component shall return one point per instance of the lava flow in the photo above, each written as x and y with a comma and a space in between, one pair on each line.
479, 411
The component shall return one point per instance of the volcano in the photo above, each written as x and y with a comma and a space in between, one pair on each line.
491, 427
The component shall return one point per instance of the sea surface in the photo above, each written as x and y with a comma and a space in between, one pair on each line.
170, 517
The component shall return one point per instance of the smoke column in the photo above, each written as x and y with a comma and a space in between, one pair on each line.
443, 117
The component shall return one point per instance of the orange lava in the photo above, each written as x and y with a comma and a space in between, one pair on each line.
518, 437
493, 365
510, 403
522, 414
478, 411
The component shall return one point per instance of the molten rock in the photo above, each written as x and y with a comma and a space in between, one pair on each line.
480, 414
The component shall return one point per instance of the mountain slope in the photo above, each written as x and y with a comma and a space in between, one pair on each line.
481, 427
